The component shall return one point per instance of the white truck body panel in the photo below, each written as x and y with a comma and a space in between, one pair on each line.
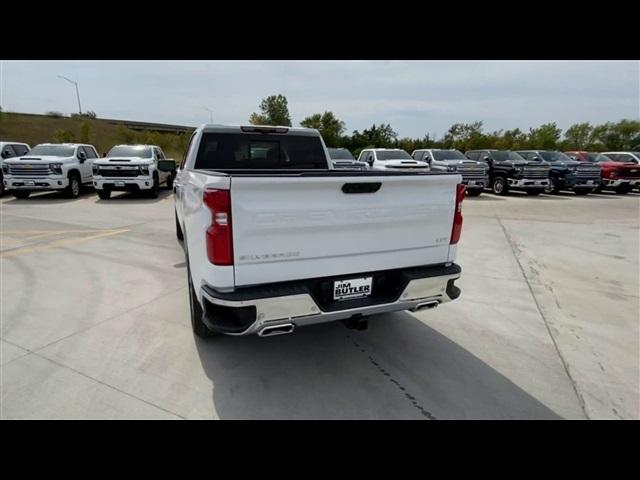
287, 228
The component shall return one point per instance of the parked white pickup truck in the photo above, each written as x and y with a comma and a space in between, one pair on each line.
10, 150
391, 159
133, 168
50, 166
275, 238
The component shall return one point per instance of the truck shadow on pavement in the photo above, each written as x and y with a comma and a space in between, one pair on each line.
485, 197
46, 198
134, 198
399, 368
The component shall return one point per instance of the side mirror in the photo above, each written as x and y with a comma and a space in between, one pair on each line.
535, 158
486, 159
82, 156
167, 165
6, 154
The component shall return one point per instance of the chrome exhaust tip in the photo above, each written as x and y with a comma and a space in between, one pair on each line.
425, 305
280, 329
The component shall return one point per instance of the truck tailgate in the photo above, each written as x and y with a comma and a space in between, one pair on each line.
288, 227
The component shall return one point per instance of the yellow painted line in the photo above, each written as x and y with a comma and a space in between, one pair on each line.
43, 235
59, 243
30, 232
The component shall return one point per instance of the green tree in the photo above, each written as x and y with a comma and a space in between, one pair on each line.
545, 136
329, 126
274, 111
85, 132
578, 136
511, 140
623, 135
63, 136
465, 136
125, 135
381, 136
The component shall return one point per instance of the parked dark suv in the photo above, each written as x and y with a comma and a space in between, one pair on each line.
566, 173
508, 170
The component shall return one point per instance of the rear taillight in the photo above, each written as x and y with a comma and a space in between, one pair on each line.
219, 235
457, 216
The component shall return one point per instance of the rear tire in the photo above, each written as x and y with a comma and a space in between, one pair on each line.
623, 189
21, 194
104, 194
582, 191
195, 310
73, 190
475, 192
170, 182
534, 193
179, 233
1, 186
499, 186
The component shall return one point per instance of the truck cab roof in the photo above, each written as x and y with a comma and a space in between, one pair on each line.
272, 129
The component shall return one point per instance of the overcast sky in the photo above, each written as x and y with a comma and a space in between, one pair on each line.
415, 97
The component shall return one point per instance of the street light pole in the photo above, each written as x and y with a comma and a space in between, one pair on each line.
77, 91
210, 114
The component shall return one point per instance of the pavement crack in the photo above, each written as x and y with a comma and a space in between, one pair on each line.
414, 401
515, 250
109, 386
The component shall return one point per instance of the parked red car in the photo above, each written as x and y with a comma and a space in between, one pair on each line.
619, 176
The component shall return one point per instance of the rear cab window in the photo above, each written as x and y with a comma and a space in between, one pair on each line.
258, 151
8, 151
20, 150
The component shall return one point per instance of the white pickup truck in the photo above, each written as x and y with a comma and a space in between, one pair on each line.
275, 238
133, 168
10, 150
50, 166
391, 159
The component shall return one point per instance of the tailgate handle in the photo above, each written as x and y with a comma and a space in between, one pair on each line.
361, 187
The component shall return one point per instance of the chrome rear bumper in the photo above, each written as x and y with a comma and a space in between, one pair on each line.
301, 309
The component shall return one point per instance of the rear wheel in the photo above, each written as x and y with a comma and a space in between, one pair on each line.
582, 191
533, 193
170, 182
196, 312
21, 194
1, 186
623, 189
499, 186
475, 192
179, 234
73, 190
104, 194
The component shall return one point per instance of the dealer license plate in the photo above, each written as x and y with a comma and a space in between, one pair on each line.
352, 288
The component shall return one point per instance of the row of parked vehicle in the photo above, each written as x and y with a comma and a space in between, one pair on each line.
69, 167
532, 171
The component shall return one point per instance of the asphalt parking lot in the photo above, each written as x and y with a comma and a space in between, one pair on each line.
95, 325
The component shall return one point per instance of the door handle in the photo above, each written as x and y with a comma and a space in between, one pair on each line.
370, 187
